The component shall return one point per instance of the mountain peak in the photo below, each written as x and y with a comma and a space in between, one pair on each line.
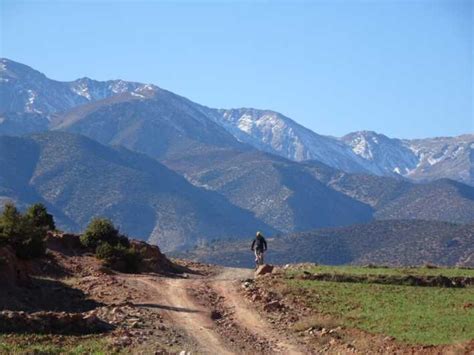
27, 91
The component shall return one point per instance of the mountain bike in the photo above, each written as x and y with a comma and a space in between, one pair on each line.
258, 258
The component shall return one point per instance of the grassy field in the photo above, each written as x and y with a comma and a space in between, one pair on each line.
363, 270
46, 344
415, 315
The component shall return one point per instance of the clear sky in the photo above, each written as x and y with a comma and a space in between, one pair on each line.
403, 68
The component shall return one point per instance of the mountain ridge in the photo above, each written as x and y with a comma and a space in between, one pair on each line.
392, 243
82, 178
419, 160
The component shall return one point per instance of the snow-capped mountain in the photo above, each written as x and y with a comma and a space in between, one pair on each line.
417, 159
23, 89
386, 156
451, 157
273, 132
28, 99
365, 151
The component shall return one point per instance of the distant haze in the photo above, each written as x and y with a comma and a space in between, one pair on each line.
402, 68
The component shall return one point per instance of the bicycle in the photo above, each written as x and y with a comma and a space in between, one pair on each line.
258, 258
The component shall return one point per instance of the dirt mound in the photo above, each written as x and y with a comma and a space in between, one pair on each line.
66, 243
152, 258
13, 271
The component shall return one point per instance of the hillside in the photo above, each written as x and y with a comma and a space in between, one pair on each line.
441, 200
393, 242
280, 192
160, 124
82, 178
301, 196
391, 198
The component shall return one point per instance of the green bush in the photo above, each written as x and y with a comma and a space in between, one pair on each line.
105, 251
119, 257
40, 217
100, 230
132, 260
10, 222
21, 232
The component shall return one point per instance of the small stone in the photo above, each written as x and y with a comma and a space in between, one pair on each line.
215, 314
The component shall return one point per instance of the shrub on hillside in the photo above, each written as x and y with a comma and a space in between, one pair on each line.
22, 233
119, 257
40, 217
102, 230
110, 246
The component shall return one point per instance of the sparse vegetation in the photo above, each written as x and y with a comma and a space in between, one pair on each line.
110, 246
102, 230
25, 232
119, 257
42, 344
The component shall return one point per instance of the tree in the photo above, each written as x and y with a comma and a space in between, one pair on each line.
40, 217
100, 230
10, 222
21, 233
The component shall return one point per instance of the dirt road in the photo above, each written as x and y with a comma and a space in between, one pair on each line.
212, 314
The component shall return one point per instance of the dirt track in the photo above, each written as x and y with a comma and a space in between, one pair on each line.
180, 300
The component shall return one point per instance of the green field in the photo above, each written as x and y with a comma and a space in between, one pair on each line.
415, 315
363, 270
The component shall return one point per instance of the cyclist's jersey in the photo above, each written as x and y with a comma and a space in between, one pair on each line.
259, 244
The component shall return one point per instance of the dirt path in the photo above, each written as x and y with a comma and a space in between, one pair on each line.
173, 298
249, 319
187, 314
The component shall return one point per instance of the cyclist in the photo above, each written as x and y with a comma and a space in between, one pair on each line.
259, 246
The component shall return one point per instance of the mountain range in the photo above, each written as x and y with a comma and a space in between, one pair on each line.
29, 101
180, 174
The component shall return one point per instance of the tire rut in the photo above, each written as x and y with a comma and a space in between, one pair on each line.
187, 314
174, 299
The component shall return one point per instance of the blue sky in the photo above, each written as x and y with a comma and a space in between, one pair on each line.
402, 68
